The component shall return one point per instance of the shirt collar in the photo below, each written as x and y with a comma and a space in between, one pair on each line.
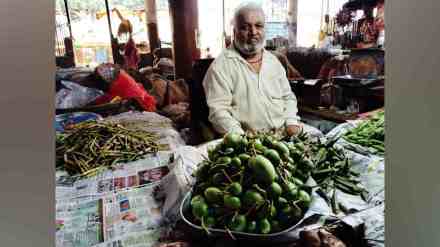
231, 52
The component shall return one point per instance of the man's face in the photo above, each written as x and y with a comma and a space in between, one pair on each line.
249, 32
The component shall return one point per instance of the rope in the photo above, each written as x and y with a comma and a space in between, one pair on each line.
320, 25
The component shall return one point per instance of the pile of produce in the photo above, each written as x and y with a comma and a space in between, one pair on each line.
332, 170
256, 183
90, 145
370, 133
253, 184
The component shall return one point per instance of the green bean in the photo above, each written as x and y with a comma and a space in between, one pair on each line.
370, 133
90, 144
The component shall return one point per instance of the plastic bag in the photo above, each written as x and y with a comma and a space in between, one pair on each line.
179, 181
152, 122
372, 220
63, 120
69, 73
312, 131
370, 166
73, 95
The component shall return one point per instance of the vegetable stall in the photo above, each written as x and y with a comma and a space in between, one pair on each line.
149, 170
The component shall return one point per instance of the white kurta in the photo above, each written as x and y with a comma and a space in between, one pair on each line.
239, 98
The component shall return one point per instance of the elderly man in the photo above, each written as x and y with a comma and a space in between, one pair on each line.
246, 86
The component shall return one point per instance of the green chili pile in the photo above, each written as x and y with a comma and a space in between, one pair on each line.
370, 133
333, 170
90, 145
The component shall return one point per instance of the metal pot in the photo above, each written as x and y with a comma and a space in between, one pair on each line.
288, 235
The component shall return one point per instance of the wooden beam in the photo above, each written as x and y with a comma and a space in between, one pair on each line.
184, 17
151, 14
66, 7
117, 58
68, 41
108, 13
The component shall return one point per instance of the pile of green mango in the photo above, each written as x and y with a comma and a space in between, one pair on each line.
252, 184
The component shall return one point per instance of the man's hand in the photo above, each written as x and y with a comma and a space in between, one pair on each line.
293, 130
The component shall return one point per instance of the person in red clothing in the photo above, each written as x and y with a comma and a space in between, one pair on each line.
118, 83
131, 55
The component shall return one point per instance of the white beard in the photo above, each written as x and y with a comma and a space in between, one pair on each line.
249, 49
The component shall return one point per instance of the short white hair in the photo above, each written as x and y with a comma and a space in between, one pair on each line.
245, 7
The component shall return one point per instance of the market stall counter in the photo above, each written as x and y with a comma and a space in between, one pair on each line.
141, 203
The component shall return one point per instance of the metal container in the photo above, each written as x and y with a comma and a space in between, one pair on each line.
286, 236
358, 94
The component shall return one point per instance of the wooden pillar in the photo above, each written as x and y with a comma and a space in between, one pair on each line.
292, 7
66, 7
184, 17
68, 41
153, 34
117, 57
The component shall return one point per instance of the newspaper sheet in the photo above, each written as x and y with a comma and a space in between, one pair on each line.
79, 223
125, 218
124, 176
119, 207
